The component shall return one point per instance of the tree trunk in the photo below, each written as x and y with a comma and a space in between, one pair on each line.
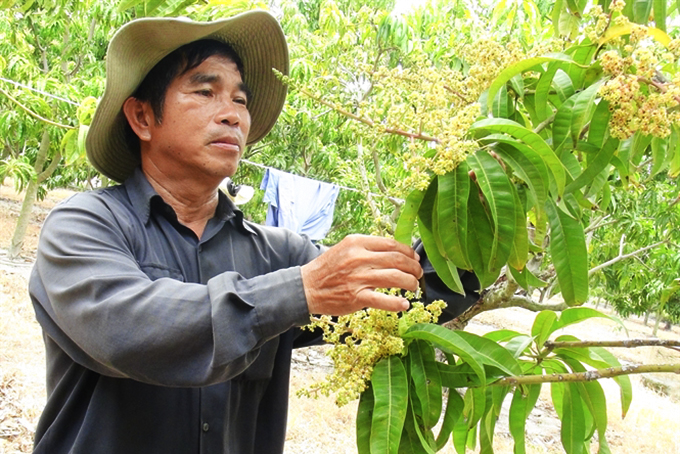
647, 317
656, 324
31, 194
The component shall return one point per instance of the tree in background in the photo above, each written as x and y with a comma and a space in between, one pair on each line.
511, 154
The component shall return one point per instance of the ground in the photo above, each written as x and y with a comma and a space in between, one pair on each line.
318, 426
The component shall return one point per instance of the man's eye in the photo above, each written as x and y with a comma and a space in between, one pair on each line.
204, 92
243, 101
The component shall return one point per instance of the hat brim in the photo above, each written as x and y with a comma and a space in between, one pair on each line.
138, 46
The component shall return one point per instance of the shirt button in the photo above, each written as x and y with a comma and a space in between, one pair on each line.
206, 427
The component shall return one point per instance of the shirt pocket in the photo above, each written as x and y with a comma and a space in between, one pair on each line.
155, 271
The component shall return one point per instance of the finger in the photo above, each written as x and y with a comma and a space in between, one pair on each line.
380, 244
369, 298
390, 278
393, 260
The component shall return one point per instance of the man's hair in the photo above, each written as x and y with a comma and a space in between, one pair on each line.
183, 59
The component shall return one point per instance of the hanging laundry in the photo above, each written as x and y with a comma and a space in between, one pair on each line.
300, 204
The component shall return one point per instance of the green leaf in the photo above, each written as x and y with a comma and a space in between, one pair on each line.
542, 327
526, 279
584, 106
409, 211
569, 254
454, 190
563, 85
531, 139
641, 10
363, 422
502, 335
500, 200
659, 147
412, 439
390, 390
475, 406
593, 396
523, 65
599, 124
527, 164
448, 274
519, 413
599, 358
543, 88
487, 427
578, 314
518, 345
453, 414
450, 342
626, 389
503, 104
595, 166
480, 240
573, 431
562, 123
426, 380
457, 376
519, 252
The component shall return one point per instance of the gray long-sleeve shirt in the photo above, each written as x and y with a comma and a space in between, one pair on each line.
158, 342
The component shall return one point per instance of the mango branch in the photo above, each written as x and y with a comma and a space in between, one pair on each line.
33, 114
588, 375
621, 256
628, 343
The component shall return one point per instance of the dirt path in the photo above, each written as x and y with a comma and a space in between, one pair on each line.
318, 426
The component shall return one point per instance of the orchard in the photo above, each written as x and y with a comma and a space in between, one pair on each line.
535, 144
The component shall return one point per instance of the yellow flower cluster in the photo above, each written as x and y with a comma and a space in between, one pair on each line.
598, 22
359, 341
639, 97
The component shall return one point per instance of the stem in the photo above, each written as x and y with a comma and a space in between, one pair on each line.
33, 114
544, 123
587, 376
629, 343
623, 257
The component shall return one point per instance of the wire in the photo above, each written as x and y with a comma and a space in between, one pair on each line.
262, 166
18, 84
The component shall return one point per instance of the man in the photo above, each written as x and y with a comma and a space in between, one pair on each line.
168, 319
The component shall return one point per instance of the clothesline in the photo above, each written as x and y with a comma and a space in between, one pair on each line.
262, 166
19, 84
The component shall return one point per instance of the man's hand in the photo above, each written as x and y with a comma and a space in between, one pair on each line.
342, 280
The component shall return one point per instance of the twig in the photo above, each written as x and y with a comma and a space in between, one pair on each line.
588, 375
35, 115
544, 123
623, 257
628, 343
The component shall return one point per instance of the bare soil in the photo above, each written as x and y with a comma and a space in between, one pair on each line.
318, 426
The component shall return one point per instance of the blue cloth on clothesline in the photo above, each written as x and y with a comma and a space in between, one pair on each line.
300, 204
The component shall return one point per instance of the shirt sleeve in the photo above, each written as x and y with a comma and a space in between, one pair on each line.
94, 301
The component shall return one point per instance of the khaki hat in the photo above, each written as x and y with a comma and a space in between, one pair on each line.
138, 46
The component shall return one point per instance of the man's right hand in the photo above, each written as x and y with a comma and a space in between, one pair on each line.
343, 279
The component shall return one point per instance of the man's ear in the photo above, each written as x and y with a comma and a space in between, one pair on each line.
140, 117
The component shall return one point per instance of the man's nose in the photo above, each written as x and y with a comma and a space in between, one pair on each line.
228, 114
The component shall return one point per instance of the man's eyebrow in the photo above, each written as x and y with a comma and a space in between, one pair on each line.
203, 78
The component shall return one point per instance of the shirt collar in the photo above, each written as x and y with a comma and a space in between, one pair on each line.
141, 193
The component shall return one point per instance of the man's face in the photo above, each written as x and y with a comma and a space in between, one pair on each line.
205, 124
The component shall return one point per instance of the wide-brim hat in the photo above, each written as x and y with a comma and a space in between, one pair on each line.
138, 46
